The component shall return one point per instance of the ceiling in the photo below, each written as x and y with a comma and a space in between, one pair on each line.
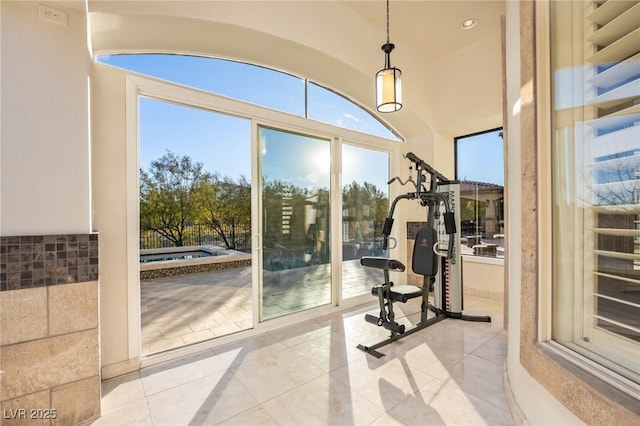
336, 42
432, 27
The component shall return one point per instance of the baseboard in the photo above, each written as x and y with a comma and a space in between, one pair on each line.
493, 295
120, 368
516, 413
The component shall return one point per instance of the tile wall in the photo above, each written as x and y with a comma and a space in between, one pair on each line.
41, 260
49, 329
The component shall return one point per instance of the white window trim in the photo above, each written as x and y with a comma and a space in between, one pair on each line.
545, 210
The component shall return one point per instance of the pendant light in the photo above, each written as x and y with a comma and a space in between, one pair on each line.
388, 80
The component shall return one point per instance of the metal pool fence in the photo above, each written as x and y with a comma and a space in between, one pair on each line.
196, 235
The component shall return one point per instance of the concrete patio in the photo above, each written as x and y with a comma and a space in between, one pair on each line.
178, 311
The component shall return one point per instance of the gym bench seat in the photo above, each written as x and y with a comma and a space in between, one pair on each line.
400, 293
382, 263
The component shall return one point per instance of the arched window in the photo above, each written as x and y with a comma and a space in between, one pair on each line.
259, 85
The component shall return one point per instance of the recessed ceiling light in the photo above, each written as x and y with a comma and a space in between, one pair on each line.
468, 23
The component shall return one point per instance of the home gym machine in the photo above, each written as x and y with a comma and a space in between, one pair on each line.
436, 244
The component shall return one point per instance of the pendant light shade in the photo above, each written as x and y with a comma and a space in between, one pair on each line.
388, 80
388, 85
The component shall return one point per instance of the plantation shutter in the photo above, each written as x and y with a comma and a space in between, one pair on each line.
611, 297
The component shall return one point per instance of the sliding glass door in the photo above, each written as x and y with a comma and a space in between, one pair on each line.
195, 225
365, 205
295, 208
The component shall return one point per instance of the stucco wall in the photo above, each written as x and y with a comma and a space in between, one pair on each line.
529, 394
45, 124
483, 276
469, 91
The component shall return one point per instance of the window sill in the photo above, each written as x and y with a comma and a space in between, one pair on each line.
590, 371
482, 259
568, 377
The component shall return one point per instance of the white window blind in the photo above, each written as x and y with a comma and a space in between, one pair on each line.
611, 188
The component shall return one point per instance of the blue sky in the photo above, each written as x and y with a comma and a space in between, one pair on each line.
480, 158
220, 142
253, 84
300, 160
223, 143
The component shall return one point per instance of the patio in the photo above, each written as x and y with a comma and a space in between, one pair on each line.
178, 311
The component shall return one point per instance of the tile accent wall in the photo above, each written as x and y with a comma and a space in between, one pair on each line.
49, 329
41, 260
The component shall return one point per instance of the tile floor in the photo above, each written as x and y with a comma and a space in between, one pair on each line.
311, 373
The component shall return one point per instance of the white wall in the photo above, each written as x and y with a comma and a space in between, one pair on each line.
45, 142
468, 87
483, 276
109, 179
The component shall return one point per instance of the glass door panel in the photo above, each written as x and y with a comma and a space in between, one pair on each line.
195, 225
296, 268
365, 204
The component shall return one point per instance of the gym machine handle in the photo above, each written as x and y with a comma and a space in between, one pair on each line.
386, 231
388, 222
450, 223
439, 251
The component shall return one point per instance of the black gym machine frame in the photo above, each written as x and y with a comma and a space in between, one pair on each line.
441, 201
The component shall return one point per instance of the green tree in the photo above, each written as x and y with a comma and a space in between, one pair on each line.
473, 213
228, 207
366, 205
173, 194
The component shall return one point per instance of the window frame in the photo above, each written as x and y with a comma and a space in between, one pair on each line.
534, 361
470, 135
138, 86
103, 59
473, 257
545, 188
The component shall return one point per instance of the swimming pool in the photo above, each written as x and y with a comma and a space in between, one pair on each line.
160, 257
175, 261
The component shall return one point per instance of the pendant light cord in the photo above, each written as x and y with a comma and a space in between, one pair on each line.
388, 46
387, 21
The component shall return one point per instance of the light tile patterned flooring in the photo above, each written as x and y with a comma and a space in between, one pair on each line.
311, 373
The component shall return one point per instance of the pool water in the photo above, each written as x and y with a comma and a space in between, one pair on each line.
145, 258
